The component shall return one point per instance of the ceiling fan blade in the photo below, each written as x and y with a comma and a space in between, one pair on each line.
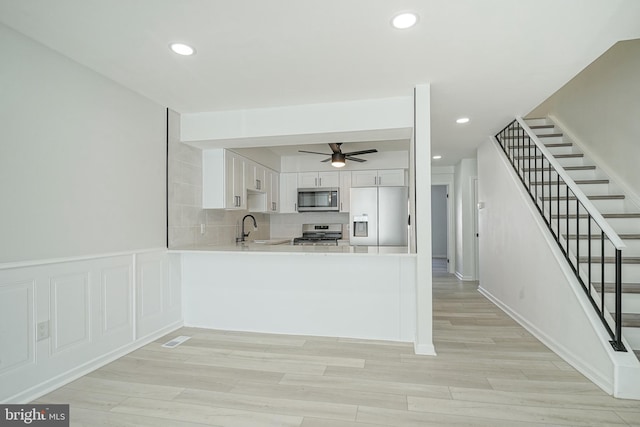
355, 159
355, 153
326, 160
312, 152
335, 146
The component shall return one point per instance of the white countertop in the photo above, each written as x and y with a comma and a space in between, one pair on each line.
299, 249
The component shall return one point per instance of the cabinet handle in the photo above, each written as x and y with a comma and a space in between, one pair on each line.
295, 207
258, 184
340, 205
320, 179
315, 182
379, 180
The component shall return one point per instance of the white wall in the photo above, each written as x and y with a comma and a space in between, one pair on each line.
82, 159
439, 221
600, 109
389, 117
524, 272
465, 258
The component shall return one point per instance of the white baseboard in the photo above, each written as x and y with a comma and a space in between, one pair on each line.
58, 381
424, 349
464, 278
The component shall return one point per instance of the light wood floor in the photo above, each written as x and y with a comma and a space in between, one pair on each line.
488, 372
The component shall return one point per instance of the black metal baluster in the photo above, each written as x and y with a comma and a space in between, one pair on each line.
589, 254
567, 217
602, 278
558, 208
577, 237
618, 338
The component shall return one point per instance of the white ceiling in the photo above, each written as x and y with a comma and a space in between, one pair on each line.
486, 59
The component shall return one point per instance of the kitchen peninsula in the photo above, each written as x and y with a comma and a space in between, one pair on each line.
342, 291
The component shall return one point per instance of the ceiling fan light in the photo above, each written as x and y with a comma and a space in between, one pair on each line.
337, 160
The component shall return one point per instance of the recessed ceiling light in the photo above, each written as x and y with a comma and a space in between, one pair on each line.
182, 49
462, 120
404, 20
437, 157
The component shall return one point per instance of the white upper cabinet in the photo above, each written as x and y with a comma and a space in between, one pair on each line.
288, 193
318, 179
255, 177
383, 177
223, 180
231, 181
345, 187
273, 190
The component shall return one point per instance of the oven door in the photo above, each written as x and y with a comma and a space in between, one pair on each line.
318, 199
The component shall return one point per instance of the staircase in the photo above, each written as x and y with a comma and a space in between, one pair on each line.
602, 247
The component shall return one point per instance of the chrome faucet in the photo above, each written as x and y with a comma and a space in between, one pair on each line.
255, 227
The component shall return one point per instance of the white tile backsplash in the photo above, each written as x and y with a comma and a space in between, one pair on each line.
290, 225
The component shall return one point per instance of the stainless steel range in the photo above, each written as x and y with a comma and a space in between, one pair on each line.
319, 234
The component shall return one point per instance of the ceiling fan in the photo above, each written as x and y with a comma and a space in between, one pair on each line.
338, 157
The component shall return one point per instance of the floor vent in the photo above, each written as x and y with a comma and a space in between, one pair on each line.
176, 341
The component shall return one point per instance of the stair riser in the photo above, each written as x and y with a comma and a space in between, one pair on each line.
630, 303
587, 189
630, 272
538, 121
525, 151
536, 162
632, 335
575, 175
571, 161
546, 131
619, 225
632, 249
603, 206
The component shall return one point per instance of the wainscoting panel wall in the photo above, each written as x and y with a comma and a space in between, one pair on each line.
59, 320
17, 324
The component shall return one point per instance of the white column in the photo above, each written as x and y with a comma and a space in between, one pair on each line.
422, 137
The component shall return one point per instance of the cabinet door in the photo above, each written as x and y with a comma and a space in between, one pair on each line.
308, 180
254, 176
288, 192
239, 189
230, 194
274, 200
364, 178
389, 177
345, 187
328, 179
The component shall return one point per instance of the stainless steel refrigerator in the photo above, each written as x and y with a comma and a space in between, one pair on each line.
379, 216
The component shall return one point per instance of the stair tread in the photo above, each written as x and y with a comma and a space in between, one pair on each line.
549, 145
538, 126
549, 135
610, 287
604, 215
567, 168
611, 260
630, 320
627, 236
591, 197
577, 181
557, 156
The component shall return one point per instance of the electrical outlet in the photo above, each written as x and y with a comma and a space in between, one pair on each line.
43, 331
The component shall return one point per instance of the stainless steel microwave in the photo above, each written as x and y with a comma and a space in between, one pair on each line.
318, 200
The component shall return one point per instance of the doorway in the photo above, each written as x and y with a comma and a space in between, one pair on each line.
439, 229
